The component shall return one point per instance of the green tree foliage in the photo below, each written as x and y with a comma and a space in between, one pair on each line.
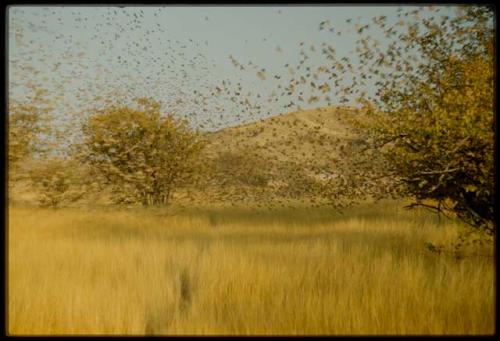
140, 153
434, 114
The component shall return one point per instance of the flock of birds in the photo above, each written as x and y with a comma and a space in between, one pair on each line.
113, 64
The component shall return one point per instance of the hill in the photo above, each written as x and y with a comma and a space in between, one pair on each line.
308, 136
282, 158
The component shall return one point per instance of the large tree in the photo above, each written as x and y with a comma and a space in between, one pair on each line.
142, 154
434, 113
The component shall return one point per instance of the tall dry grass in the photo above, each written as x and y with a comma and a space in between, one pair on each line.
100, 271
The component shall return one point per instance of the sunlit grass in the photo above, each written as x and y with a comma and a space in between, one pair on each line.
237, 271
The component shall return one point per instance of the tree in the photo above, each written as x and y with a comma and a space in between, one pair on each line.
435, 117
28, 131
141, 153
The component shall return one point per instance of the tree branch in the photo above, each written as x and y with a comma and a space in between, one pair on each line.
439, 172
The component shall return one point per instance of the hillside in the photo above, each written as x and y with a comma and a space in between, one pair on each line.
302, 136
285, 156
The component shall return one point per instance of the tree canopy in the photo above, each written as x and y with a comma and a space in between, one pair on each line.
436, 116
142, 154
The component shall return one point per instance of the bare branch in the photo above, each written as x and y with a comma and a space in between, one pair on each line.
440, 171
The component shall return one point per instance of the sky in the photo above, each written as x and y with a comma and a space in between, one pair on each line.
178, 55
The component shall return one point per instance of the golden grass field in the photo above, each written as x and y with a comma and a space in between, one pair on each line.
236, 271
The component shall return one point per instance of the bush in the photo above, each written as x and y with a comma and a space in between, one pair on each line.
60, 182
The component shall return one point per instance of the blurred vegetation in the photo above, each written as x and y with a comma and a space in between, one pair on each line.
28, 122
150, 271
60, 182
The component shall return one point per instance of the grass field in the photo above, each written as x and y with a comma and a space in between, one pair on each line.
222, 271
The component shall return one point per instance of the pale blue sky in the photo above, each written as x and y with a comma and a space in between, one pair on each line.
169, 52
